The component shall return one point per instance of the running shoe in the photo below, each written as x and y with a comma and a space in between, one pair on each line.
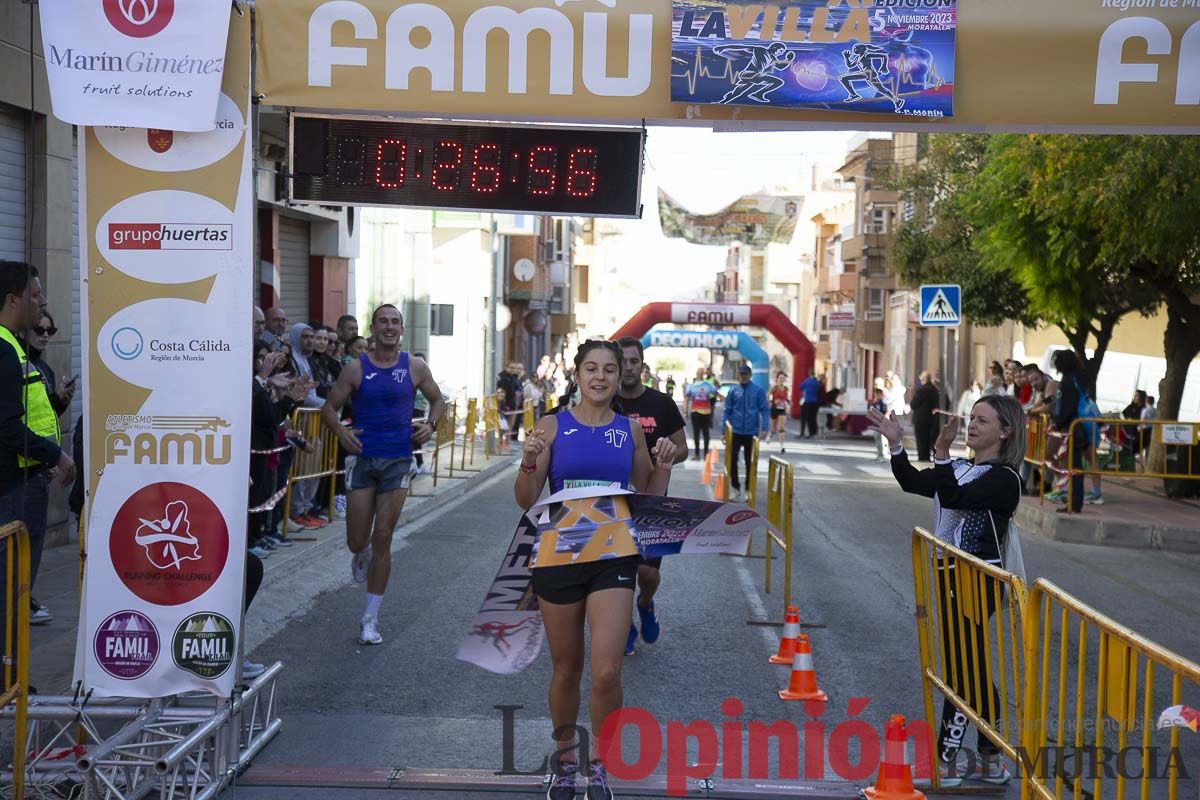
1056, 496
562, 784
650, 626
38, 613
598, 782
950, 774
633, 634
359, 563
990, 770
424, 470
259, 552
368, 632
279, 540
305, 521
250, 670
1094, 499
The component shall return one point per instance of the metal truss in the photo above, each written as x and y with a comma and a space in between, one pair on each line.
184, 747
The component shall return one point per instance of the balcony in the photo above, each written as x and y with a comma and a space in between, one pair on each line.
870, 332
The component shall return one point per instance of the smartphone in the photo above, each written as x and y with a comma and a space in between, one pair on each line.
72, 381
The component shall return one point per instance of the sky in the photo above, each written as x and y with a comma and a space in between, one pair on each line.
706, 171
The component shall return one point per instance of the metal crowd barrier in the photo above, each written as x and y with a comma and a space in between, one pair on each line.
780, 485
446, 437
469, 426
1037, 427
975, 664
320, 462
1094, 669
14, 538
1113, 459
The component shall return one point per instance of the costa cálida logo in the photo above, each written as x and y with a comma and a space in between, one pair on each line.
160, 140
139, 18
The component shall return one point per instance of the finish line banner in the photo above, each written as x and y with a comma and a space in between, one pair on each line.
135, 63
891, 58
755, 220
166, 397
577, 526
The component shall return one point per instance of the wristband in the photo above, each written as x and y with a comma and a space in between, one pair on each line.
528, 468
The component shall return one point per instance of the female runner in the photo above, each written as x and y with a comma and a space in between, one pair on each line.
588, 445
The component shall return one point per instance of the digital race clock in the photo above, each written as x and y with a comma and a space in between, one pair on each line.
534, 169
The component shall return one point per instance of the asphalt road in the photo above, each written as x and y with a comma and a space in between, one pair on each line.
410, 704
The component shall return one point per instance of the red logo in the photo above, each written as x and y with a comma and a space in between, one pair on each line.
159, 140
740, 516
139, 18
169, 543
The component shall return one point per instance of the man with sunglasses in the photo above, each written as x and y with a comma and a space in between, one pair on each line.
29, 435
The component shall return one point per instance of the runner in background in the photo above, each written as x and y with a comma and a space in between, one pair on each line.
659, 418
588, 445
779, 406
699, 402
747, 414
382, 385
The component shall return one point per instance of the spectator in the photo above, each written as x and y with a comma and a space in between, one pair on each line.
325, 370
810, 402
831, 401
747, 412
968, 399
1130, 433
926, 423
1071, 397
35, 340
270, 404
995, 385
510, 382
29, 433
304, 492
347, 328
1145, 432
879, 404
260, 324
421, 412
894, 392
275, 334
354, 348
698, 402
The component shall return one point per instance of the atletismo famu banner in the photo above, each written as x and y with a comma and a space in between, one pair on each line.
891, 57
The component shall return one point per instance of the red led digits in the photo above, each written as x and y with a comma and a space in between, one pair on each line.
485, 168
447, 166
390, 158
543, 164
581, 172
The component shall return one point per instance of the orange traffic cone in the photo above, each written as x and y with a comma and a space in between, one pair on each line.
802, 685
895, 775
719, 486
706, 474
787, 644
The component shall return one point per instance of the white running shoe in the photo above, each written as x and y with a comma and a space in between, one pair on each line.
368, 632
359, 564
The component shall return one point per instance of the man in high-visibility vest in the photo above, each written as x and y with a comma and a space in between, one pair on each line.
29, 436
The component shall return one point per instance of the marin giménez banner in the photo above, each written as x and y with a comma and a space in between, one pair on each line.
581, 525
892, 57
135, 63
166, 248
755, 220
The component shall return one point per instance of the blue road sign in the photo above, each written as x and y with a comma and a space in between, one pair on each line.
941, 306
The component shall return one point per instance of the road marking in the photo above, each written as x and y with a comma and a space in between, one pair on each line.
878, 472
757, 608
817, 468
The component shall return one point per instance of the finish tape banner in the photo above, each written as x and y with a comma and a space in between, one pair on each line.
755, 220
577, 526
143, 63
889, 58
166, 287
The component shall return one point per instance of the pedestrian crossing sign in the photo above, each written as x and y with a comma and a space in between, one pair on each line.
941, 305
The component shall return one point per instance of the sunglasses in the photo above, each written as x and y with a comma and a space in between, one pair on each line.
40, 331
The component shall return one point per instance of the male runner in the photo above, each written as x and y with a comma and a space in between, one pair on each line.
659, 417
755, 81
382, 384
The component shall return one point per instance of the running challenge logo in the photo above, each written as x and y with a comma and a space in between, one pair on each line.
139, 18
169, 236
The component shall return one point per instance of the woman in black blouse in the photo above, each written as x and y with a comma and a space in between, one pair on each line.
974, 500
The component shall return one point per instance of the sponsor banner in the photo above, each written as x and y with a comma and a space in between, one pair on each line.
1070, 65
590, 523
153, 64
166, 280
707, 313
896, 60
755, 220
842, 320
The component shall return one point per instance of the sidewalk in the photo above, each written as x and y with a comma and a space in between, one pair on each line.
1134, 514
293, 578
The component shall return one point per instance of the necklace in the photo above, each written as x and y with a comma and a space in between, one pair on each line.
598, 425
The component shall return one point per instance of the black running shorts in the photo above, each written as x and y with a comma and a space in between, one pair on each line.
574, 582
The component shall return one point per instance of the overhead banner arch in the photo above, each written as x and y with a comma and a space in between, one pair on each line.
755, 356
1021, 65
725, 314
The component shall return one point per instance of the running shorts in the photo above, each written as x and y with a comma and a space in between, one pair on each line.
572, 583
778, 412
381, 474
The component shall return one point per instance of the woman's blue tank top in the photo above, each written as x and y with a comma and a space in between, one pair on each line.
581, 455
383, 409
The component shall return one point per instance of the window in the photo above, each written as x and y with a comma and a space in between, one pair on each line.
875, 298
441, 319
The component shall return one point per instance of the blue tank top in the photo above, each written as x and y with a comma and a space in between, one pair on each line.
383, 409
581, 455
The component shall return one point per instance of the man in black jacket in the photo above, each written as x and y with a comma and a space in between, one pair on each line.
926, 424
